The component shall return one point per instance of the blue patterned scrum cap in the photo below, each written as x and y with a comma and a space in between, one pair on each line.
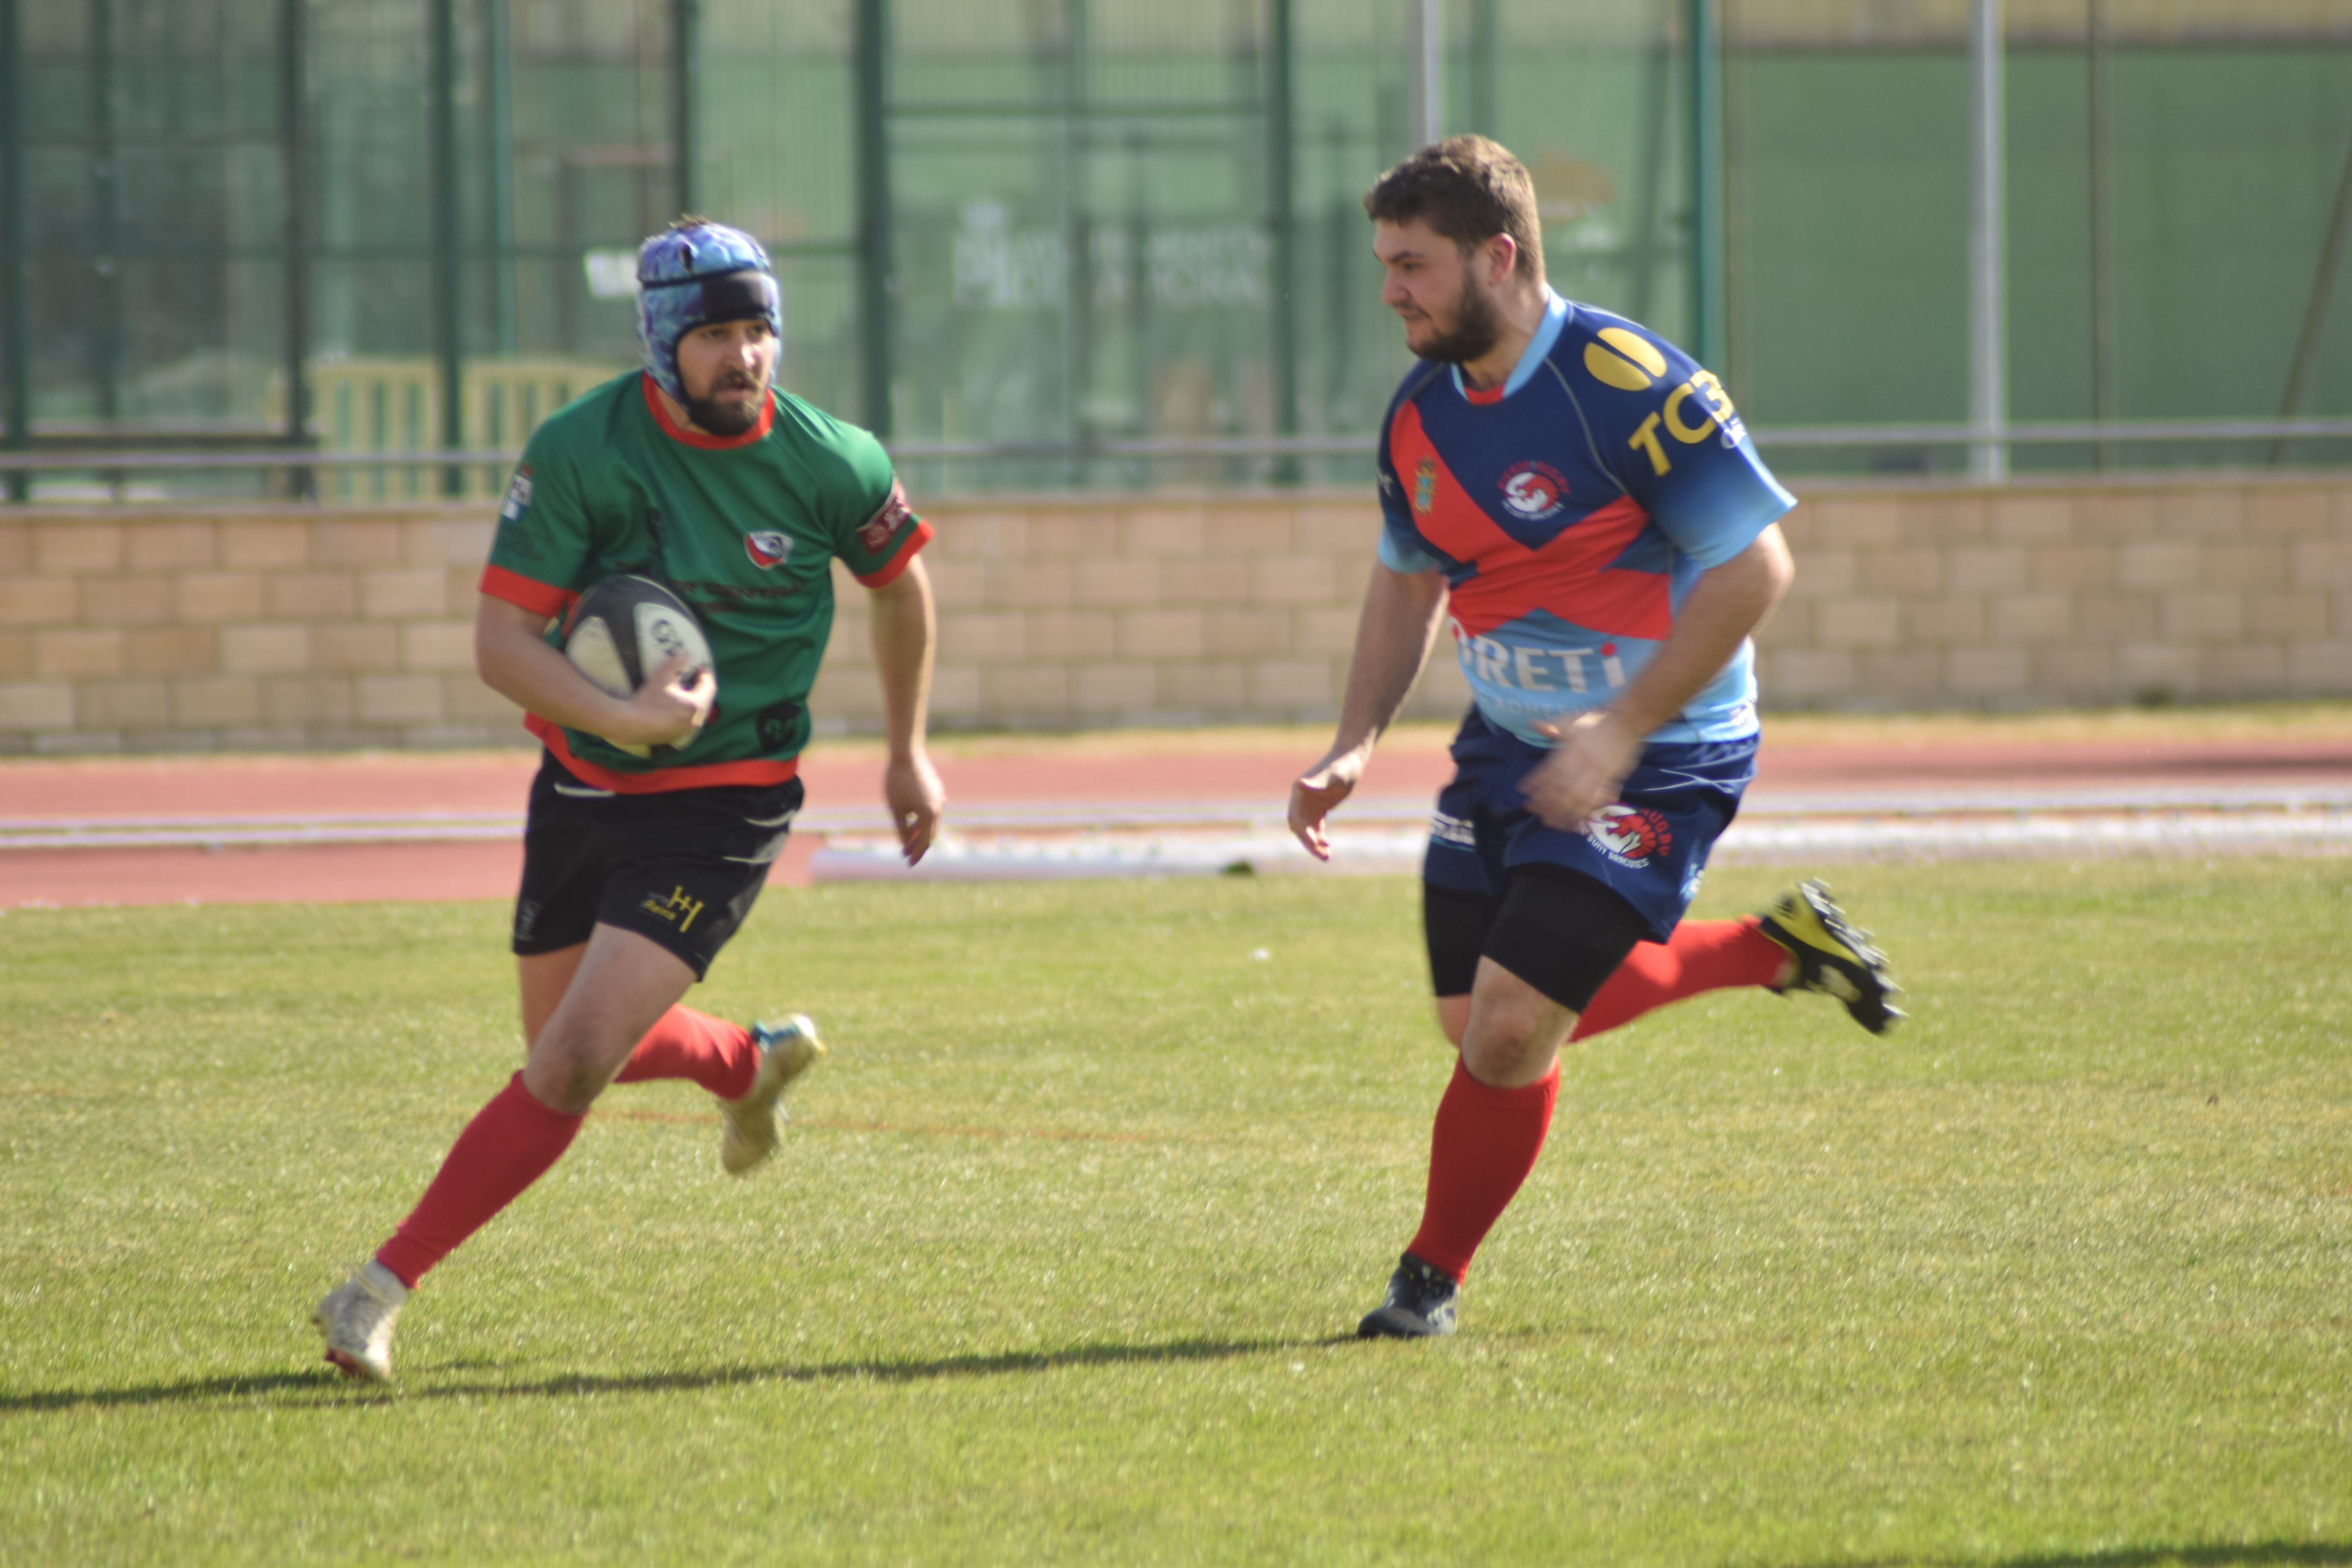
693, 274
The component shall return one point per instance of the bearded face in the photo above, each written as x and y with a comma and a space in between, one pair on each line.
1467, 330
725, 370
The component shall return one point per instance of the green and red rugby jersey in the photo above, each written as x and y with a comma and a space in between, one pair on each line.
745, 528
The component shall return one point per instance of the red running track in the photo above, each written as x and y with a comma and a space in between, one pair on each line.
1159, 769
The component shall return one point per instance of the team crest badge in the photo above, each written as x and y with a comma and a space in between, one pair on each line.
517, 495
1632, 836
1424, 485
767, 548
1534, 490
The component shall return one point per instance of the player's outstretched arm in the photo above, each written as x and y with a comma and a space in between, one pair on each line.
906, 628
1399, 619
1597, 749
516, 662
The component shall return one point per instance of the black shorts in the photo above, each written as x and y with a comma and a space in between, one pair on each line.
681, 869
1558, 930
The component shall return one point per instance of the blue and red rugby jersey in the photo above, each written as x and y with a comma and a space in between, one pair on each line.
1572, 510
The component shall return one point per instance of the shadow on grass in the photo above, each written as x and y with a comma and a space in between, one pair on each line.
2253, 1553
322, 1386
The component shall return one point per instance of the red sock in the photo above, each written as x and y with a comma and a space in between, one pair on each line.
508, 1145
1484, 1143
686, 1044
1705, 955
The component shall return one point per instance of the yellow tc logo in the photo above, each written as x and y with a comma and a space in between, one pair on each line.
1715, 413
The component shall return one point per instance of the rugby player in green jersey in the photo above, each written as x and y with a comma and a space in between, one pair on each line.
654, 818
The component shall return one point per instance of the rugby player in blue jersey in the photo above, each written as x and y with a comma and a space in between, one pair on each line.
1577, 501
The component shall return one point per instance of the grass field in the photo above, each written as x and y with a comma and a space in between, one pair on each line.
1056, 1264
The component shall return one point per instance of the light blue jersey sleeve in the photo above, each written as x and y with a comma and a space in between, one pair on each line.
1684, 451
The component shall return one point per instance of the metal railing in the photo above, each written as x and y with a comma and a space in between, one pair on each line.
1856, 437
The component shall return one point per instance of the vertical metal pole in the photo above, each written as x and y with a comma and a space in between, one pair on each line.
1988, 250
294, 160
1428, 71
876, 306
106, 217
2103, 232
448, 346
1703, 31
498, 107
1486, 54
1077, 233
15, 242
686, 102
1282, 219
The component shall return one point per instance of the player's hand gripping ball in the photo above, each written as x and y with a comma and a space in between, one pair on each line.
623, 629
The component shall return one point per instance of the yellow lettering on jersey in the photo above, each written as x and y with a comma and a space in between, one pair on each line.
1686, 434
1716, 397
1646, 438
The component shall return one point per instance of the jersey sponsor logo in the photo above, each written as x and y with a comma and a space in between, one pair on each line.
874, 535
1489, 661
1626, 360
1632, 836
767, 548
774, 725
1697, 409
1424, 485
1534, 490
517, 495
705, 595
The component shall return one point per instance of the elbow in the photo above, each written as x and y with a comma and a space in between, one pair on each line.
1774, 568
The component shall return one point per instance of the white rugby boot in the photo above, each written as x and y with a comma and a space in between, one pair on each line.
356, 1317
787, 1048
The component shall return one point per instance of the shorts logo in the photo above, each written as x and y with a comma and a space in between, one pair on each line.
517, 495
1424, 485
677, 909
526, 917
1534, 490
767, 548
1632, 836
874, 535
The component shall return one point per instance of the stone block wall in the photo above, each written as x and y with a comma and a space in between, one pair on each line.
2077, 593
299, 628
256, 627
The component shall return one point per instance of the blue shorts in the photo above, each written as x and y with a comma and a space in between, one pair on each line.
1650, 848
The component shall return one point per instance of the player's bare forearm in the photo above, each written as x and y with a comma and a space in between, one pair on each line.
1598, 749
1399, 623
906, 630
1393, 633
514, 660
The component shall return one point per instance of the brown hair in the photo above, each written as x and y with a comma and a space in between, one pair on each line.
1468, 189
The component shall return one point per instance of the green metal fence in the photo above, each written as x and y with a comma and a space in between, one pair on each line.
1051, 243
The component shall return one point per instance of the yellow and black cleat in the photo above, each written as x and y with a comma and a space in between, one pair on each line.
1833, 956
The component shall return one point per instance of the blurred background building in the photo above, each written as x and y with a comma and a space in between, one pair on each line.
1117, 244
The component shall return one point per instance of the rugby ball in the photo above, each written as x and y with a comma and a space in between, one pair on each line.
622, 630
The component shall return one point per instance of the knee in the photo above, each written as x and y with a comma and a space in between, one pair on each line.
1505, 1052
1513, 1032
567, 1071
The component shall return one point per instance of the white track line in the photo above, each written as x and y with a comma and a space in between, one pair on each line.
1060, 840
